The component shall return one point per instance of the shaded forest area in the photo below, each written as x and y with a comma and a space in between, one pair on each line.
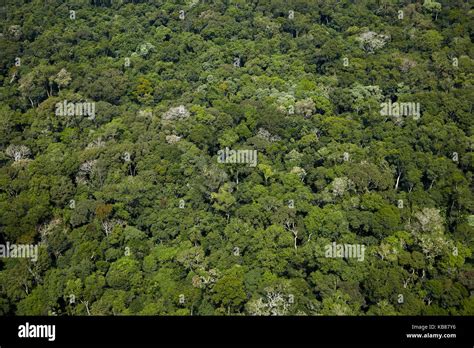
112, 115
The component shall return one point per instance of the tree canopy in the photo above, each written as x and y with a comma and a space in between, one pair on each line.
129, 130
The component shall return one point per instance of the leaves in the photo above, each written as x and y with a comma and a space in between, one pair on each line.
133, 212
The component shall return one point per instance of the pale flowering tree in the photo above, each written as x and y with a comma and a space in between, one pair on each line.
87, 167
299, 171
370, 41
18, 152
62, 78
265, 134
46, 229
407, 64
85, 171
340, 186
109, 225
305, 107
428, 229
275, 303
172, 139
428, 220
14, 32
177, 113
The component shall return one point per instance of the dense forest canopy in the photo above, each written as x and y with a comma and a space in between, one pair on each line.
232, 157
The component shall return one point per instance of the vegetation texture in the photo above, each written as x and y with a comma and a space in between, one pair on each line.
115, 115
